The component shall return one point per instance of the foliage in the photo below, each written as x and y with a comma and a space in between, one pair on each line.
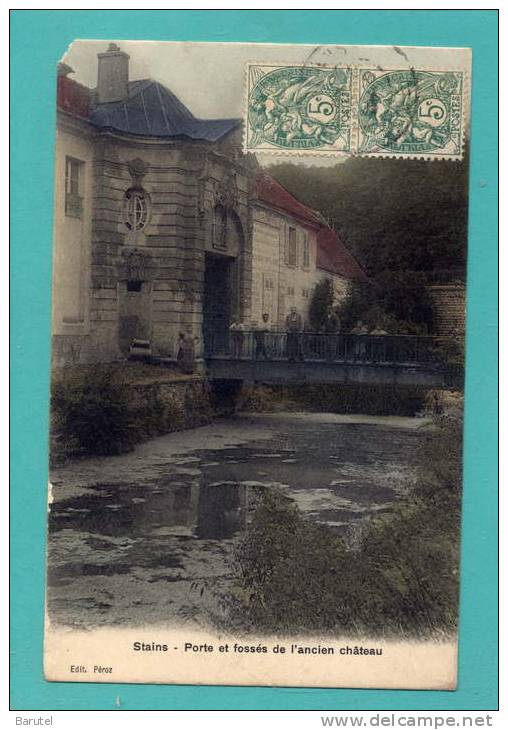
452, 354
440, 468
394, 215
93, 415
404, 220
103, 410
397, 302
375, 400
287, 565
321, 304
297, 576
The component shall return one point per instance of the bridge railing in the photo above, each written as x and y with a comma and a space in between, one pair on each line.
307, 346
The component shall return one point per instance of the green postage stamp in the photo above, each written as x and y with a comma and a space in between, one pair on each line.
206, 242
355, 111
299, 108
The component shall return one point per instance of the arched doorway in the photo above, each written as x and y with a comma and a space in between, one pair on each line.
221, 303
216, 303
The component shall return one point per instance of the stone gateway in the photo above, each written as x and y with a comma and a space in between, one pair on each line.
164, 227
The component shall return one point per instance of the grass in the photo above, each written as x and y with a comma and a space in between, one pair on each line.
105, 410
400, 577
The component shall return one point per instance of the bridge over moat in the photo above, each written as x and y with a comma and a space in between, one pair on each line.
279, 357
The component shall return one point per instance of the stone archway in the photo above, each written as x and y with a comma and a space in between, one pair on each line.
221, 297
227, 231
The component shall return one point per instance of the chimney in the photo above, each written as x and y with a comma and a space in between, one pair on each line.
113, 75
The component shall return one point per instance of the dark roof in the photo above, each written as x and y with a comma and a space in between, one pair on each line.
270, 191
333, 256
152, 110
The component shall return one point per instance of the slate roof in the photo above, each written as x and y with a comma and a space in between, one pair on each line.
152, 110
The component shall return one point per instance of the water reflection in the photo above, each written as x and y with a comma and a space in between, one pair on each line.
159, 549
222, 511
208, 511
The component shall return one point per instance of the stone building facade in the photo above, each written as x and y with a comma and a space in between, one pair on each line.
163, 226
293, 249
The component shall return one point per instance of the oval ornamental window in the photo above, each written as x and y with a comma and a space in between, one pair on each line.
135, 209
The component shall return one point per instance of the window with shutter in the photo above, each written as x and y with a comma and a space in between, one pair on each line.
305, 251
73, 187
292, 248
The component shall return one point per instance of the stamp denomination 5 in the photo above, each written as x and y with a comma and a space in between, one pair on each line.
298, 108
410, 112
354, 111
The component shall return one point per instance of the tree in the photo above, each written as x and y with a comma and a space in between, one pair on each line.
405, 221
392, 214
321, 304
397, 302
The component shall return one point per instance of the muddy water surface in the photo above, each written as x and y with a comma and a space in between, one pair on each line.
147, 537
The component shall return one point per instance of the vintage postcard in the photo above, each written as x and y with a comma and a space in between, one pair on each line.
257, 364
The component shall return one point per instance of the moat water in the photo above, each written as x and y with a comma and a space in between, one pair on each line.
147, 537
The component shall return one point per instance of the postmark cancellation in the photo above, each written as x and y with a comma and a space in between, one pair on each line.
299, 108
355, 111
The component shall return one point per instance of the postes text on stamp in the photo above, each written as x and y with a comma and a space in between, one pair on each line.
298, 109
410, 113
350, 110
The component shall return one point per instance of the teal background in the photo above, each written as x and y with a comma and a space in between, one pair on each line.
38, 39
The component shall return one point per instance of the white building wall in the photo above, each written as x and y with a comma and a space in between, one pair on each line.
72, 238
267, 243
278, 285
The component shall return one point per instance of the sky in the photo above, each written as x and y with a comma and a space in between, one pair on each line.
209, 77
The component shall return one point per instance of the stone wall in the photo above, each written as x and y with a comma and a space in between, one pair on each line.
184, 404
449, 309
146, 284
155, 407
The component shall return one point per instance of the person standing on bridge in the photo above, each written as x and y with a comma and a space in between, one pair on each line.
186, 356
294, 326
378, 344
260, 332
360, 344
332, 332
236, 339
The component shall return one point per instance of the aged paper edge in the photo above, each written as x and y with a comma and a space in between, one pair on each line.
277, 152
403, 665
